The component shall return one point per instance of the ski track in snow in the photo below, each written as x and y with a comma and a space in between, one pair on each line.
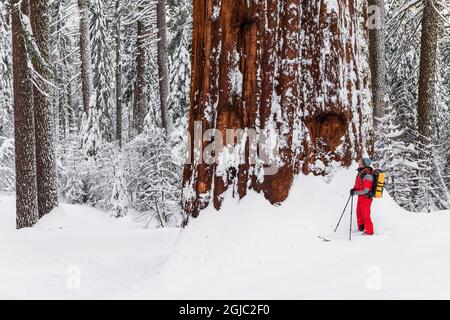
249, 250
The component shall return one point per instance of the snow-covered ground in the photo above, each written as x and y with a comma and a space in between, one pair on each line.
248, 250
77, 253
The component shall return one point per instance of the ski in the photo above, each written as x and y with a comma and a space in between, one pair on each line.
332, 237
323, 238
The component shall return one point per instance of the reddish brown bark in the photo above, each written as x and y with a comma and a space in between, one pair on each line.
330, 84
260, 42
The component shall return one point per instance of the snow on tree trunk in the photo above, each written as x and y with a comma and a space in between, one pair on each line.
163, 64
85, 54
26, 187
330, 84
140, 108
428, 63
364, 75
43, 111
247, 75
118, 75
426, 107
377, 59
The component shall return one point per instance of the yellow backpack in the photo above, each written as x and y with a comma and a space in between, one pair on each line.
379, 177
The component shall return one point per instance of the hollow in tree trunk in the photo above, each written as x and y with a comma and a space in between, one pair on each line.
247, 74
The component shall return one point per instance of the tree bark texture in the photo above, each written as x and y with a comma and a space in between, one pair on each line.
163, 63
43, 111
377, 61
140, 108
330, 84
287, 65
85, 54
26, 186
118, 75
428, 64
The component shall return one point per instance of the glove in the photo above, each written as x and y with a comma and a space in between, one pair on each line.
352, 192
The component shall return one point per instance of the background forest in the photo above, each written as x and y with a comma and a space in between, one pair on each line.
121, 149
115, 77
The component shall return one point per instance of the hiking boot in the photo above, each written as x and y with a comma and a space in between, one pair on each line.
361, 227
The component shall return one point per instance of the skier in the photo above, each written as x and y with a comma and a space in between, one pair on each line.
363, 189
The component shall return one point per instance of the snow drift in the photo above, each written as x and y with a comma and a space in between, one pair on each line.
76, 252
250, 250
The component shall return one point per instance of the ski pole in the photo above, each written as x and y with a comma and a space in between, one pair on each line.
342, 213
351, 220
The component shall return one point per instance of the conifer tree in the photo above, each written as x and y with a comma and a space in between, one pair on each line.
5, 73
102, 68
27, 213
43, 110
85, 55
140, 106
180, 29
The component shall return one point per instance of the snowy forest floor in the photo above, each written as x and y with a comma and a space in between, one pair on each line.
109, 255
249, 250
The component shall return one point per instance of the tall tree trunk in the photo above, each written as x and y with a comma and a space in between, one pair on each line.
118, 76
428, 64
426, 104
140, 93
247, 75
330, 85
163, 63
26, 186
43, 111
85, 54
377, 59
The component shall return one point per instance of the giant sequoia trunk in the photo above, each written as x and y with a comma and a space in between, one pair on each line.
330, 85
26, 187
273, 66
43, 111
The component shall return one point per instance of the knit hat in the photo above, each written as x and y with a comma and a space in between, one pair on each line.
365, 163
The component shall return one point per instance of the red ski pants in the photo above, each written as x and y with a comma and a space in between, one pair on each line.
363, 214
